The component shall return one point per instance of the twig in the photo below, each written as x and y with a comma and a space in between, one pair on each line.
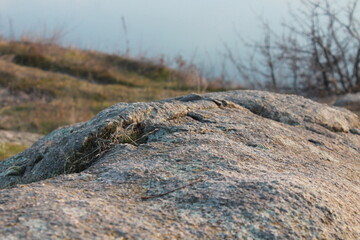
171, 191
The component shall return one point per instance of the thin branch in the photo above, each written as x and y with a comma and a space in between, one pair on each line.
171, 191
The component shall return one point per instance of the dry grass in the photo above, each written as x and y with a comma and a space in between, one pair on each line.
48, 86
90, 66
65, 85
9, 149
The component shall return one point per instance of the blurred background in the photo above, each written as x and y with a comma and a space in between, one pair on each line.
196, 30
63, 61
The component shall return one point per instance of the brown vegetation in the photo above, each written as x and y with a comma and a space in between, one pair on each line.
44, 86
9, 149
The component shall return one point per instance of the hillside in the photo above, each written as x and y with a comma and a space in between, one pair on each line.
44, 86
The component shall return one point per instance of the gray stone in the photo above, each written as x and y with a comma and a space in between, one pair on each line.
230, 165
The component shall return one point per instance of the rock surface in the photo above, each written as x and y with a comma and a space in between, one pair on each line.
232, 165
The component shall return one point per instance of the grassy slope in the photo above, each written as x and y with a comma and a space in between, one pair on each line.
9, 149
60, 86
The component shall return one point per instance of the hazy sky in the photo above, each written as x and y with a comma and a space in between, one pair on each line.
154, 27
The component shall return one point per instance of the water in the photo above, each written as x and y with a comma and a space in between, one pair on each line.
195, 29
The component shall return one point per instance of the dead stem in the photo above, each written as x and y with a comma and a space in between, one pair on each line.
171, 191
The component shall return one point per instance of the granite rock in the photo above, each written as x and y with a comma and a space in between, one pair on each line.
229, 165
